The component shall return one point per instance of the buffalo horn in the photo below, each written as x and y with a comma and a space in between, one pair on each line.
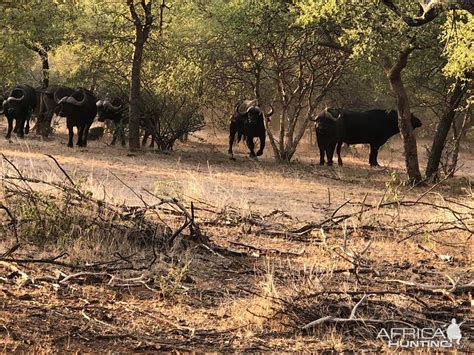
17, 99
73, 101
109, 105
245, 106
329, 114
270, 113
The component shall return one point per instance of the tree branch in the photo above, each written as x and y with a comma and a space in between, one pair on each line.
430, 9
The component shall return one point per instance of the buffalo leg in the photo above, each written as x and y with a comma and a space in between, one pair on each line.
321, 155
85, 135
122, 135
233, 131
338, 150
10, 128
20, 126
251, 147
262, 145
70, 129
114, 139
80, 135
330, 152
374, 151
322, 150
27, 126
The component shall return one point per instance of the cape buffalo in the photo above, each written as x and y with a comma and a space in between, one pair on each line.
114, 111
374, 127
248, 122
79, 109
49, 105
19, 106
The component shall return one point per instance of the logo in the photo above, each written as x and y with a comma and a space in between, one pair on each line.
422, 337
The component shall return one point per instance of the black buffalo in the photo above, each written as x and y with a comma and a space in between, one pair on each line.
18, 107
79, 109
374, 127
248, 122
49, 105
114, 111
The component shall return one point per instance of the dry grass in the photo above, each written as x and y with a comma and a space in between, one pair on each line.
257, 282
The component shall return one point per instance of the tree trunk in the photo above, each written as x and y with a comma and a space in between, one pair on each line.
44, 69
404, 114
142, 30
42, 127
268, 127
459, 137
135, 96
43, 53
442, 131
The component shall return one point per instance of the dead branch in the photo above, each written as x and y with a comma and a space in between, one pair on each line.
330, 319
441, 289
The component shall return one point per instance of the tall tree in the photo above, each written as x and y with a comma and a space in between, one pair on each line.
263, 53
394, 75
383, 30
40, 26
142, 20
460, 61
442, 129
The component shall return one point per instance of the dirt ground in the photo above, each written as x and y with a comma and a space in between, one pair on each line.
277, 259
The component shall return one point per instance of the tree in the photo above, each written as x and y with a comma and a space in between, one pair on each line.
460, 63
394, 74
40, 26
382, 31
263, 53
429, 10
169, 77
442, 130
142, 23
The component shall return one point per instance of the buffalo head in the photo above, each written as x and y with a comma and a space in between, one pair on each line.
7, 109
107, 109
16, 101
254, 115
251, 112
70, 104
328, 113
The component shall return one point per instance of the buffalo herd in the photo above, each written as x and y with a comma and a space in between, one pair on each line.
80, 106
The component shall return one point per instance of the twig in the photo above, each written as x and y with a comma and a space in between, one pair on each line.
354, 310
62, 169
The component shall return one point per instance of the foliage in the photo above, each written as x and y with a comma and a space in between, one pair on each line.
458, 34
210, 54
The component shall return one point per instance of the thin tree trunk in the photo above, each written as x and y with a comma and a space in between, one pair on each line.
142, 30
45, 69
404, 114
135, 96
459, 137
267, 122
442, 131
42, 51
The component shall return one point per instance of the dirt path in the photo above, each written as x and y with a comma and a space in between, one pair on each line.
203, 171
